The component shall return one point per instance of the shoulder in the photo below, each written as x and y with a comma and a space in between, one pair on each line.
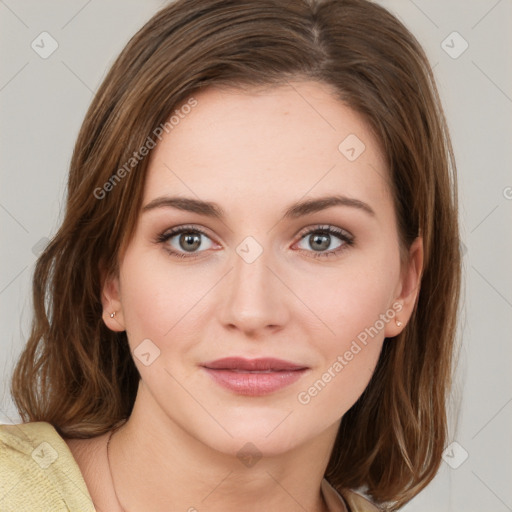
38, 471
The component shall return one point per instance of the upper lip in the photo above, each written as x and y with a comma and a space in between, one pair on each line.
260, 364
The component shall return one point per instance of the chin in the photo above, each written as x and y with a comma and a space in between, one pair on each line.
259, 435
253, 445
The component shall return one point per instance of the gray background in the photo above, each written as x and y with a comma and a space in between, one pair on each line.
43, 101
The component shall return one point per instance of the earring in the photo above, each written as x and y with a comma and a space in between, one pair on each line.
113, 314
398, 323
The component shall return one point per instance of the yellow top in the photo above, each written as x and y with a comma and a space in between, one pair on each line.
38, 473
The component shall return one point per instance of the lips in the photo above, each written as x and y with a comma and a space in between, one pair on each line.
252, 365
253, 377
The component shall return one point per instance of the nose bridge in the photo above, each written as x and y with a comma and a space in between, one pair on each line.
254, 297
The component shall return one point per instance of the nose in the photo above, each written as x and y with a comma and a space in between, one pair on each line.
254, 298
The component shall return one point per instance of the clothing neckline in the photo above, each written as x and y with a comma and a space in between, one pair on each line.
334, 500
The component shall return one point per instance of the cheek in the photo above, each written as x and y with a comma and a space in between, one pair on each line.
161, 299
334, 389
349, 354
350, 299
354, 310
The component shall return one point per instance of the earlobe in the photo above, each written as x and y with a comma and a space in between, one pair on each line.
111, 301
409, 289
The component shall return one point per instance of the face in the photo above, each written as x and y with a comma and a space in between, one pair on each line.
295, 257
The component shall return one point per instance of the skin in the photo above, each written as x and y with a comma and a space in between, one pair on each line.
254, 153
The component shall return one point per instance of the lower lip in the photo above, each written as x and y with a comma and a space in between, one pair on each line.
255, 384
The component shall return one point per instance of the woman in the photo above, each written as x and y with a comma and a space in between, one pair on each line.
251, 302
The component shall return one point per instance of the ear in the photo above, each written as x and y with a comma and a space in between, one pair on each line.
408, 290
111, 301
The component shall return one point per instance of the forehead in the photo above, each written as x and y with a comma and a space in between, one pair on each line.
273, 145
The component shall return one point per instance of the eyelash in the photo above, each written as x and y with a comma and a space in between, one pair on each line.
343, 235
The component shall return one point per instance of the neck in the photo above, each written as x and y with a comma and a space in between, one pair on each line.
158, 466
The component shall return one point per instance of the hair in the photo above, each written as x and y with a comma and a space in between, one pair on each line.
78, 375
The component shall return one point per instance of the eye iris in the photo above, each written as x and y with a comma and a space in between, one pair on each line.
320, 241
190, 241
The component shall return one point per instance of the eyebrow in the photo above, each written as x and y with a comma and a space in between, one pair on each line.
296, 210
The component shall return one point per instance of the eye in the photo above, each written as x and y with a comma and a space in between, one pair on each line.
325, 241
189, 241
185, 241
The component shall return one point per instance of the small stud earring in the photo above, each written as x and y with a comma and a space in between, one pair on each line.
398, 323
113, 314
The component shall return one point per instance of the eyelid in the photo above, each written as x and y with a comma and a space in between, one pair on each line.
325, 227
184, 228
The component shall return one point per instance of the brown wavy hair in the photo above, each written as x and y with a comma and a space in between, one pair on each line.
78, 375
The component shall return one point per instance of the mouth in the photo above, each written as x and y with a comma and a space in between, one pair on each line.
253, 377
